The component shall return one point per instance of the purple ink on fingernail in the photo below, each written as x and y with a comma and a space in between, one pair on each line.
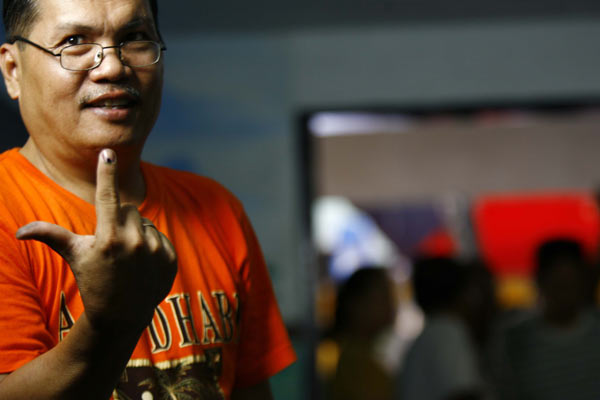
107, 157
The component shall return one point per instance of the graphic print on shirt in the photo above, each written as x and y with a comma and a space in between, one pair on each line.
189, 379
199, 325
65, 319
191, 327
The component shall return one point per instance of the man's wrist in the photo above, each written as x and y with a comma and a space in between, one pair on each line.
121, 337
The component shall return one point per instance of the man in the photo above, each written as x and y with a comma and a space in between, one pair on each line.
117, 277
365, 309
561, 339
441, 364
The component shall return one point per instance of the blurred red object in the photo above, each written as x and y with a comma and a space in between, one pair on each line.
437, 244
509, 228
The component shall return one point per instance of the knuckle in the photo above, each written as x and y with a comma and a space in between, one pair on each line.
137, 244
110, 247
108, 196
154, 247
128, 213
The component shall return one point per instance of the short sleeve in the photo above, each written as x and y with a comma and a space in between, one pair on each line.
22, 319
265, 348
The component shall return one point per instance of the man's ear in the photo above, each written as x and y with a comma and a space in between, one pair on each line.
9, 63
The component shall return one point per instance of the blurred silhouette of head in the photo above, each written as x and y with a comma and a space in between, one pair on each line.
365, 303
560, 276
437, 283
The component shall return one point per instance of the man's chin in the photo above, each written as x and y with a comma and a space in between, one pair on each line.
116, 138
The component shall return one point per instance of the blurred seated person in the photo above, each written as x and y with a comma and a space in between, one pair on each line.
442, 363
555, 354
365, 309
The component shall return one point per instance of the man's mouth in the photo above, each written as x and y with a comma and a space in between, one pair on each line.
115, 105
112, 103
119, 99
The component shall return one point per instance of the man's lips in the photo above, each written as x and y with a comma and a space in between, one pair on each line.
116, 105
121, 97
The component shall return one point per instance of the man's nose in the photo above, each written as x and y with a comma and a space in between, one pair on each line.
111, 67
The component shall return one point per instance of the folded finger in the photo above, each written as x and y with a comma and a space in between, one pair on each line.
168, 247
152, 236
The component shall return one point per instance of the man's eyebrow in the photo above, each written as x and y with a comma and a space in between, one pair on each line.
74, 26
79, 27
137, 22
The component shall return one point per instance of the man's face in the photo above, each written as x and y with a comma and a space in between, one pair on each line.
113, 105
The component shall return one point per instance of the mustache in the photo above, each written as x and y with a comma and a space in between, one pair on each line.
89, 97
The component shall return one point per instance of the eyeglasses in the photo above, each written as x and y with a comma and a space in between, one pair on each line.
87, 56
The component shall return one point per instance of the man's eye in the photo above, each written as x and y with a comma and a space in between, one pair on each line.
74, 39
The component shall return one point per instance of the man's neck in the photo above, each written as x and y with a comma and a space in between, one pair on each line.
80, 178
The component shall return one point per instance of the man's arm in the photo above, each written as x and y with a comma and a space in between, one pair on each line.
86, 364
122, 272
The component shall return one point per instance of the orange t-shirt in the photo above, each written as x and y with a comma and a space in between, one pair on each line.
218, 328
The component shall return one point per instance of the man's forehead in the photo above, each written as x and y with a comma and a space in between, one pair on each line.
58, 14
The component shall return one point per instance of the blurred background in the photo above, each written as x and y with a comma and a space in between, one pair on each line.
370, 133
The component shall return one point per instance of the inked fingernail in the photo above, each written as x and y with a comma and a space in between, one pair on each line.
108, 156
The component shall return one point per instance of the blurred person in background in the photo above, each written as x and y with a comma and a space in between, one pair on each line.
555, 353
443, 363
366, 308
479, 307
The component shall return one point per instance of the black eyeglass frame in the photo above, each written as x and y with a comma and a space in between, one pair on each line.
161, 47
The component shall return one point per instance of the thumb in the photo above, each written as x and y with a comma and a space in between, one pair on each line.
58, 238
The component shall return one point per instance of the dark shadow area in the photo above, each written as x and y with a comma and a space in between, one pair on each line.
13, 130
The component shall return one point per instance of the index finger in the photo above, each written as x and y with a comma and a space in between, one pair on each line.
107, 192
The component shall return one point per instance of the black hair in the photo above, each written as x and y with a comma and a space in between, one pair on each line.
437, 282
19, 16
554, 252
354, 289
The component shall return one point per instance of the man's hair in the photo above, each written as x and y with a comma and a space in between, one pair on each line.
20, 15
555, 252
354, 290
437, 283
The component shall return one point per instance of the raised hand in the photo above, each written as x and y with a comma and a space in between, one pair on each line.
125, 269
